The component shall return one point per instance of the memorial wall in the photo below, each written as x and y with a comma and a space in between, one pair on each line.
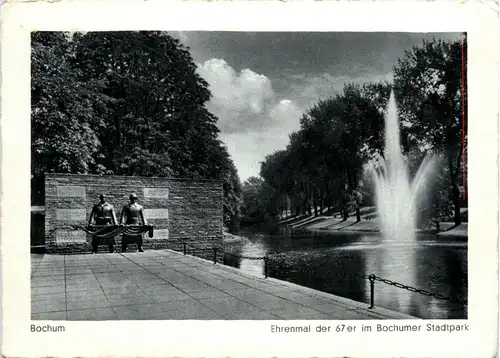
189, 210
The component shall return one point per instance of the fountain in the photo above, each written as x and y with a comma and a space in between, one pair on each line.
397, 198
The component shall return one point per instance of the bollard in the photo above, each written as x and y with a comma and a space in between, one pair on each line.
184, 248
372, 289
265, 266
215, 255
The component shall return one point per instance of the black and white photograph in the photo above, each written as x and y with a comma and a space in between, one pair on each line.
218, 175
247, 179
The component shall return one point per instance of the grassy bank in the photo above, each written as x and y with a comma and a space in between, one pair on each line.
368, 223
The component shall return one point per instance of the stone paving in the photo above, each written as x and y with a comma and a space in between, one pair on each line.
166, 285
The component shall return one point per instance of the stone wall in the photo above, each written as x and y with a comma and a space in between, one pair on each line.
180, 210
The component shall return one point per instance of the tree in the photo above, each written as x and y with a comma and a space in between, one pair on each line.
323, 164
429, 88
63, 111
280, 179
250, 192
158, 115
126, 103
347, 132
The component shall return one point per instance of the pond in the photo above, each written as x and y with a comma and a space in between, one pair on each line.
327, 261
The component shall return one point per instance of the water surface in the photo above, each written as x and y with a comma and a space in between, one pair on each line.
326, 262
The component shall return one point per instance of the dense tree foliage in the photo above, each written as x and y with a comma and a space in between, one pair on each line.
254, 208
63, 112
124, 103
326, 162
428, 81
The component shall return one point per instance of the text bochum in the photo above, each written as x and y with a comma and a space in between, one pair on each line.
47, 328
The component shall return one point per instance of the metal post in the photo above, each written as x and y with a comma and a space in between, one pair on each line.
372, 290
265, 266
184, 247
215, 255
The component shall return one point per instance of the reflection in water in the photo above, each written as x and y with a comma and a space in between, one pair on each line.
255, 249
396, 263
320, 260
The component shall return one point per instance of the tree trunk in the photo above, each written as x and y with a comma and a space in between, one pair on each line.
455, 189
455, 192
347, 191
358, 214
315, 204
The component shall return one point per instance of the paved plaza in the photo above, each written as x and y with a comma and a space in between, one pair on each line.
166, 285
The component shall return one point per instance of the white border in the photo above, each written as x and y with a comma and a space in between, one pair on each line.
247, 338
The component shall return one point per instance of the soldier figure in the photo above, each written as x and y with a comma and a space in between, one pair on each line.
102, 213
131, 214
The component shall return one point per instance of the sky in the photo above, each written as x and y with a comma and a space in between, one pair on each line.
262, 82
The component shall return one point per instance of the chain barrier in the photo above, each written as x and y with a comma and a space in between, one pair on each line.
224, 253
245, 257
420, 291
372, 278
351, 275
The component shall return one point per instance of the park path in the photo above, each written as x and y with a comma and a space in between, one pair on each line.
166, 285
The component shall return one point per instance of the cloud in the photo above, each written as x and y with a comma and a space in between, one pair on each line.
307, 90
246, 90
248, 150
285, 115
243, 100
253, 121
